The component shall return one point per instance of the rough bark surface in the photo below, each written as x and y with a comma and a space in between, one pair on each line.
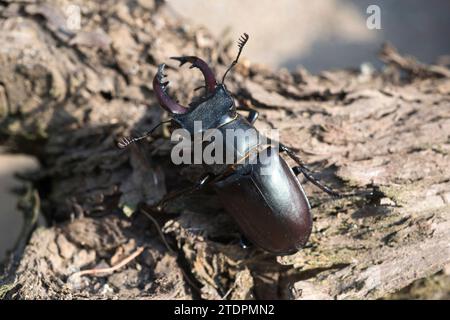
66, 96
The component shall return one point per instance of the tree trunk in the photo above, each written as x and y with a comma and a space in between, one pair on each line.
67, 94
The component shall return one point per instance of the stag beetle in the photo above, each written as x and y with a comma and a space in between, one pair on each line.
271, 210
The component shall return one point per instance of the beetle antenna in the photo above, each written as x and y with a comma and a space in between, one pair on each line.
126, 141
241, 43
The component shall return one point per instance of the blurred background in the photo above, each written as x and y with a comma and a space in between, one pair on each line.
325, 34
319, 35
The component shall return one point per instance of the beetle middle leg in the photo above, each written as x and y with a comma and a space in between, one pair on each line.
307, 173
374, 193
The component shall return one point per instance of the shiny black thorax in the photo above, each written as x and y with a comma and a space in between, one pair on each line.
213, 110
217, 112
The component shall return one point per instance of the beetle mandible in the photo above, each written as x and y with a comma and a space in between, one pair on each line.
271, 210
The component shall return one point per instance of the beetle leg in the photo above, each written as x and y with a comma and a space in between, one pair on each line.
374, 193
160, 89
210, 80
299, 169
252, 113
307, 173
203, 181
292, 155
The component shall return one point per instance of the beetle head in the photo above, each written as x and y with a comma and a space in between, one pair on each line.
214, 109
160, 87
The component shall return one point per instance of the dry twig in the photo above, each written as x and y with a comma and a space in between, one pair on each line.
116, 267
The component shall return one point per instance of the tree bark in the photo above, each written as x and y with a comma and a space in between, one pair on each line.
67, 95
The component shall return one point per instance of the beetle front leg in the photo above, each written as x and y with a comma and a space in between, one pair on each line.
252, 113
204, 180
